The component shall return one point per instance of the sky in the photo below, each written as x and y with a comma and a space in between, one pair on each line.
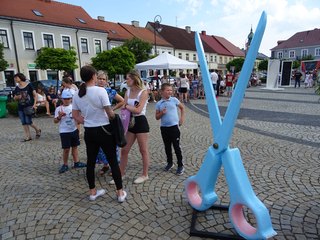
231, 19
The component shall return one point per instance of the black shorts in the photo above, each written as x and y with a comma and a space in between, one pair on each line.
183, 90
141, 125
70, 139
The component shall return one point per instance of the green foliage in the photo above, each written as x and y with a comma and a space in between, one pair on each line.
318, 90
307, 57
263, 65
3, 63
139, 48
296, 64
118, 60
13, 108
237, 63
56, 59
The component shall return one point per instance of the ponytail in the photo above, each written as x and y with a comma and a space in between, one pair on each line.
82, 90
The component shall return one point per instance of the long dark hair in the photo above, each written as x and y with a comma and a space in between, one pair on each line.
86, 73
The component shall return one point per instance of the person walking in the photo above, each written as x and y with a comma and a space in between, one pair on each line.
92, 108
297, 76
136, 99
26, 97
167, 111
214, 79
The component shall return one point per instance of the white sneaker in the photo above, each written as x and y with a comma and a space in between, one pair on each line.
141, 179
99, 193
112, 182
122, 197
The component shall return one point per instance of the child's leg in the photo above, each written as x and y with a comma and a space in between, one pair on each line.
75, 154
65, 156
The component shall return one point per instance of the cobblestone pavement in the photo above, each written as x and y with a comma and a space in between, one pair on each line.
278, 134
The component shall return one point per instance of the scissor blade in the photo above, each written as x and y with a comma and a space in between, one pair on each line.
223, 136
215, 117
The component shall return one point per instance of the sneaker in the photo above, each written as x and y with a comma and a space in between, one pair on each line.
180, 170
141, 179
99, 193
112, 182
168, 167
122, 197
79, 165
63, 168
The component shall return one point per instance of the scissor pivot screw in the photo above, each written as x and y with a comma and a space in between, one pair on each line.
215, 146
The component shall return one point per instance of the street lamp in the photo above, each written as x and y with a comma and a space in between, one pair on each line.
157, 28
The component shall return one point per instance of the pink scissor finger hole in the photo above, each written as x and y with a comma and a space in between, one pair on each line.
194, 195
240, 221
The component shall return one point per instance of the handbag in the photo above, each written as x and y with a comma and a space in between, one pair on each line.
118, 130
125, 116
28, 110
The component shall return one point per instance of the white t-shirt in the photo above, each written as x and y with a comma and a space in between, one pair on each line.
40, 98
92, 106
67, 123
214, 77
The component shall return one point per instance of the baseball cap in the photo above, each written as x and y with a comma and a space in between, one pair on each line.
66, 94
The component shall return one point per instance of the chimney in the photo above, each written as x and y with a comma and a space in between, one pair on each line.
203, 32
188, 29
135, 23
101, 18
280, 41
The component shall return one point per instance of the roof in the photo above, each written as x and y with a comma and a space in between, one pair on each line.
180, 38
301, 39
115, 31
235, 51
215, 44
145, 34
51, 12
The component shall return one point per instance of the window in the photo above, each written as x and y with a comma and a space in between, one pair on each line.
81, 20
220, 60
292, 54
37, 13
317, 52
280, 55
4, 38
28, 40
187, 56
211, 58
180, 55
215, 58
48, 40
66, 42
97, 46
84, 45
304, 52
194, 57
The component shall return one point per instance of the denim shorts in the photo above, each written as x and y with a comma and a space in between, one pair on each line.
25, 119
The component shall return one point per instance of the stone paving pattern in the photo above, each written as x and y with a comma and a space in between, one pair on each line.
278, 134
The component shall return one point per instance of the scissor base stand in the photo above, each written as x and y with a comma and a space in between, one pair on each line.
206, 234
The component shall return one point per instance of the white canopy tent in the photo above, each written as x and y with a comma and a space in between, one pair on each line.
166, 61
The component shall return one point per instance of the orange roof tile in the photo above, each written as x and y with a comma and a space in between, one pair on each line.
55, 13
115, 30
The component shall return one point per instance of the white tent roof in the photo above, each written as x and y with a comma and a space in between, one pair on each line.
166, 61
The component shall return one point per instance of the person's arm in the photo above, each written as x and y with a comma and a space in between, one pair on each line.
35, 98
138, 109
109, 112
182, 114
76, 114
119, 100
160, 113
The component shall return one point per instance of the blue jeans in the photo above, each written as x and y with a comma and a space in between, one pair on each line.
25, 119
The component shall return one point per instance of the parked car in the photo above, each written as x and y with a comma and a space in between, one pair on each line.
123, 86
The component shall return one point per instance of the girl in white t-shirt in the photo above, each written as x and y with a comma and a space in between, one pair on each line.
92, 108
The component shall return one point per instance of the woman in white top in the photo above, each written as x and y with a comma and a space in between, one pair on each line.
136, 99
92, 108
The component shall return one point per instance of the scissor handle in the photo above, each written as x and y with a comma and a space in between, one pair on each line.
241, 196
200, 188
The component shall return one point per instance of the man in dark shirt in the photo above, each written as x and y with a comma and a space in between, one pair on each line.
297, 77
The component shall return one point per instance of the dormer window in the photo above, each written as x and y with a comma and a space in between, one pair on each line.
113, 31
37, 13
81, 20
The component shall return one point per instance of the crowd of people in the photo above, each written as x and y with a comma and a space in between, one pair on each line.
93, 106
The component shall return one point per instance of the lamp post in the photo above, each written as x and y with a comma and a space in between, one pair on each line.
157, 28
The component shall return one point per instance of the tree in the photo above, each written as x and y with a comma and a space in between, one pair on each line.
139, 48
237, 63
296, 64
3, 63
263, 65
56, 59
118, 60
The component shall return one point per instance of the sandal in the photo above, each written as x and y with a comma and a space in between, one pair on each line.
103, 170
38, 133
26, 140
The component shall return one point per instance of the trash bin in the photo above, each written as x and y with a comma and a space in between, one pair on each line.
3, 106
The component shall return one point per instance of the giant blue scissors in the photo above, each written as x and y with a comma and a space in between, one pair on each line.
200, 188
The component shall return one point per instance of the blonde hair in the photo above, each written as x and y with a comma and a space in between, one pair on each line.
134, 75
100, 73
